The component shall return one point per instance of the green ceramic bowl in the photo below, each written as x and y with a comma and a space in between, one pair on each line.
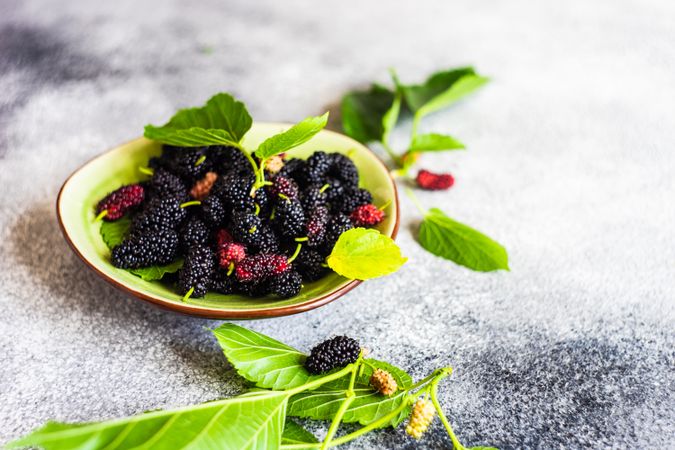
105, 173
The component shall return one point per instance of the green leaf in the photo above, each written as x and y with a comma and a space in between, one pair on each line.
391, 117
295, 434
222, 120
449, 239
367, 406
157, 272
294, 136
362, 254
417, 95
363, 113
260, 359
246, 422
113, 233
463, 87
434, 143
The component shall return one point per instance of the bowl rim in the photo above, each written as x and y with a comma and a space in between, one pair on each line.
219, 313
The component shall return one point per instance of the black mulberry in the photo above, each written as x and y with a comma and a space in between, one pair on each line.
290, 218
197, 271
144, 250
336, 352
193, 233
286, 285
160, 214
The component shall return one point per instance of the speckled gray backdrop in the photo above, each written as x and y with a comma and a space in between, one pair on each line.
570, 165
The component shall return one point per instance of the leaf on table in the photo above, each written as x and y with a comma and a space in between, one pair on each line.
298, 134
247, 422
434, 142
296, 434
449, 239
113, 233
221, 121
260, 359
153, 273
363, 113
362, 254
417, 95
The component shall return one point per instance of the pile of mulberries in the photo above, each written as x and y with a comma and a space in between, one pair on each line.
200, 205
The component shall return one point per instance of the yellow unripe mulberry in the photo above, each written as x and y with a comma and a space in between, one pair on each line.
383, 382
422, 414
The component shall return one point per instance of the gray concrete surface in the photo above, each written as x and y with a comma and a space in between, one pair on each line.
570, 166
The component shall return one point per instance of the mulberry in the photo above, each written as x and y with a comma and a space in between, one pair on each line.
144, 250
230, 160
275, 164
246, 227
213, 211
259, 267
222, 284
235, 191
194, 232
223, 237
342, 168
189, 163
350, 200
383, 382
316, 168
293, 168
366, 216
336, 352
422, 414
434, 181
267, 242
290, 218
202, 187
316, 226
230, 253
166, 184
310, 264
337, 225
118, 202
286, 285
159, 214
197, 271
285, 187
314, 196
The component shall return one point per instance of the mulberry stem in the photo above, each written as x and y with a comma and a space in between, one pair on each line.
200, 160
188, 294
349, 398
302, 239
190, 203
434, 389
257, 208
230, 269
385, 206
295, 254
146, 170
101, 215
323, 188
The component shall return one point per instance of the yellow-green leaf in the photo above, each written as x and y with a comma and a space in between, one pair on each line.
362, 253
298, 134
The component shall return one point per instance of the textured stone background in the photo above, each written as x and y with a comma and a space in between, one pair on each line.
570, 165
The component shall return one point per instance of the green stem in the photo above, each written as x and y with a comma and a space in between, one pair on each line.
415, 126
191, 203
349, 398
295, 254
321, 381
200, 160
415, 201
101, 215
188, 294
146, 170
434, 389
382, 421
302, 239
395, 158
250, 160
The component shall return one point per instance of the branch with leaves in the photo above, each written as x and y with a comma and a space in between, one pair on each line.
261, 418
371, 116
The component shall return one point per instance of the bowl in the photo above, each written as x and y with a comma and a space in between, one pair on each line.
108, 171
